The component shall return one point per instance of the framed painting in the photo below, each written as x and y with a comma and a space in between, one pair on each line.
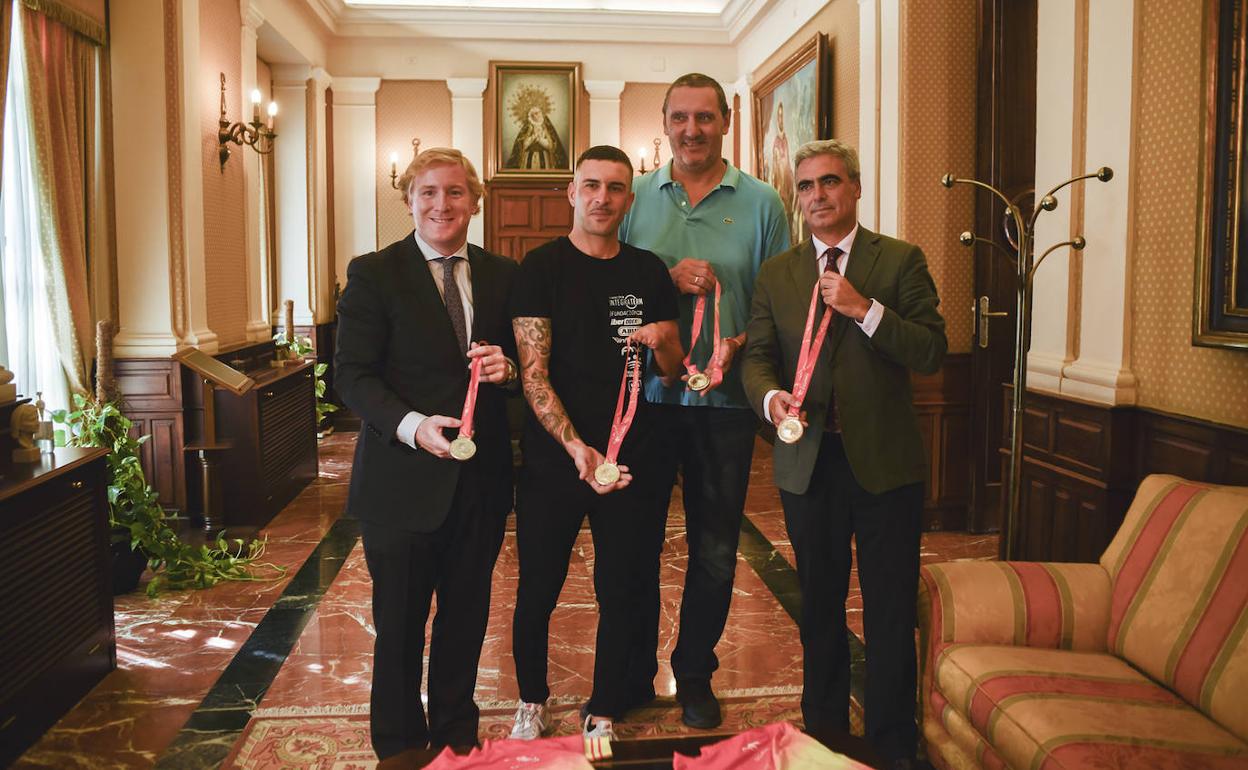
792, 105
536, 115
1220, 306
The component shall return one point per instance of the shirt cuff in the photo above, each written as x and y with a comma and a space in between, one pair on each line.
767, 405
406, 432
871, 321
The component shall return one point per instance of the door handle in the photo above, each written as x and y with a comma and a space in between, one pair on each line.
982, 314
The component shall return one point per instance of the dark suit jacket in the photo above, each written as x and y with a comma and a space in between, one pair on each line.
396, 353
870, 375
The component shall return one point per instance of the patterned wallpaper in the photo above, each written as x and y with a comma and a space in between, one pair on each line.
938, 46
641, 122
1174, 376
406, 109
225, 224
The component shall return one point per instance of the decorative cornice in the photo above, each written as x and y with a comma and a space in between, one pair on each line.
466, 88
253, 17
604, 89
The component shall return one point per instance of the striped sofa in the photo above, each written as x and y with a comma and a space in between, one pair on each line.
1138, 661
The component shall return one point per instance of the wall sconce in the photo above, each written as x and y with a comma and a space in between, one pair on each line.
394, 163
641, 154
255, 135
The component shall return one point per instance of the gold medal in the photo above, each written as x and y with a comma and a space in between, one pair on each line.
698, 382
607, 474
463, 448
790, 430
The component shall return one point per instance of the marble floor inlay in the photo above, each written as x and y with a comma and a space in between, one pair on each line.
227, 671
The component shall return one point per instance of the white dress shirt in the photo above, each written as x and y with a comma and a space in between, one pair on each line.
869, 323
406, 432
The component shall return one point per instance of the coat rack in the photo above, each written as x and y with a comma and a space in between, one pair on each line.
1024, 271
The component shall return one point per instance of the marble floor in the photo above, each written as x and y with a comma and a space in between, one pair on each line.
195, 668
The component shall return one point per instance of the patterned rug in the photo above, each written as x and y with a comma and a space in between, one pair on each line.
336, 737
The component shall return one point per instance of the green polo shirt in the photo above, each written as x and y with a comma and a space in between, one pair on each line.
735, 227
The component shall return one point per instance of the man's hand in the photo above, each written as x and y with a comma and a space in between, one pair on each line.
779, 408
840, 295
648, 335
493, 363
587, 459
693, 276
429, 435
728, 349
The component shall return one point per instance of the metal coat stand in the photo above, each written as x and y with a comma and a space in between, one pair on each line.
1024, 271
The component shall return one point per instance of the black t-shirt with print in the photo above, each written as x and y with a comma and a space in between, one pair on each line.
593, 305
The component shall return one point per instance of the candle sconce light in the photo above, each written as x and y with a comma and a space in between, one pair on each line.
256, 134
657, 161
394, 163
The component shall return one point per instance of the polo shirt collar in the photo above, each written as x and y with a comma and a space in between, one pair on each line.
732, 175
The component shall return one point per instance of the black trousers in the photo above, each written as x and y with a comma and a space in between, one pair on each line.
712, 447
456, 562
551, 503
886, 528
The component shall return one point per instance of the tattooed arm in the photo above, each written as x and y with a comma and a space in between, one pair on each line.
533, 344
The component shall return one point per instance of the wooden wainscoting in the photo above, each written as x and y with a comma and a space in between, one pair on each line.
1082, 462
151, 391
942, 401
521, 215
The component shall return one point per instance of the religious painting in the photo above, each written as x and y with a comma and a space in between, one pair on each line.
1220, 308
535, 118
792, 106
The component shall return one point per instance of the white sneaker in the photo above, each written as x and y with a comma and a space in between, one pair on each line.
601, 729
530, 721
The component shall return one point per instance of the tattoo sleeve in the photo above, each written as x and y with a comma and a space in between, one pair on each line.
533, 343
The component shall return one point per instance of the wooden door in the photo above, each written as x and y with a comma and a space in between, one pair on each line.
1006, 159
522, 215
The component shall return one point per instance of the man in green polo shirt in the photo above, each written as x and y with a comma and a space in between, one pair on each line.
711, 223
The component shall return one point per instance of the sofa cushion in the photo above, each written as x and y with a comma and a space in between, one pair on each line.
1044, 708
1179, 573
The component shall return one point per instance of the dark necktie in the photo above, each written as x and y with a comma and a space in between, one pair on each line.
832, 423
454, 305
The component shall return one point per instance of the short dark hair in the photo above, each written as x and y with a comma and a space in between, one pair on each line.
606, 152
698, 80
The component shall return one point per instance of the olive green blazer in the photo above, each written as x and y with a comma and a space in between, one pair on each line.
870, 375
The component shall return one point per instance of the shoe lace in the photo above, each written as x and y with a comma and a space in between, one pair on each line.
528, 716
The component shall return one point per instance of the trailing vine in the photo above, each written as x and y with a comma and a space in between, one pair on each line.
299, 348
134, 507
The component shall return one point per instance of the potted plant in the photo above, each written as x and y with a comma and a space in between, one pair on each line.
141, 533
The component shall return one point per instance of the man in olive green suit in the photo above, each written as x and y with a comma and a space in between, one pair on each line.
858, 468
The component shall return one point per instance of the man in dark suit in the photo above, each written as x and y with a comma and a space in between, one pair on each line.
412, 318
857, 469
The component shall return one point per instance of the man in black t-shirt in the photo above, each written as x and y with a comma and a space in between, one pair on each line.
576, 302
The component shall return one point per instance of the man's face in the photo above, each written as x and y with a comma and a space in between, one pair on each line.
828, 197
695, 127
600, 194
442, 205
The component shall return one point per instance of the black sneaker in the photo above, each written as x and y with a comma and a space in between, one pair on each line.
698, 706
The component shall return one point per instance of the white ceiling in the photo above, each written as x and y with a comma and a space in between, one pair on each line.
707, 22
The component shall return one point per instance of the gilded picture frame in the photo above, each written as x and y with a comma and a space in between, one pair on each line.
536, 116
792, 105
1220, 305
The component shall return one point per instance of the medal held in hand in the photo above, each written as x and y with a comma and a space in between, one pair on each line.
463, 447
700, 381
790, 428
608, 472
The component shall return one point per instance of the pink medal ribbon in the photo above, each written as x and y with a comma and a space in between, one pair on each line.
790, 428
700, 381
463, 447
609, 471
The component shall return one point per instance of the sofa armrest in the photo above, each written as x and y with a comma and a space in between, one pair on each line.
1031, 604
